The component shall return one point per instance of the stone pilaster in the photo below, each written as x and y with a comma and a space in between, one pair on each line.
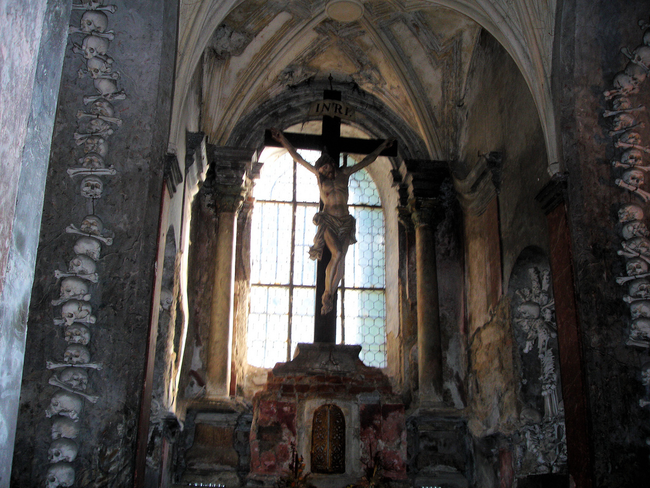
569, 333
426, 215
232, 182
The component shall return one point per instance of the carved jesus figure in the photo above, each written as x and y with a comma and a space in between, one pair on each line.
336, 227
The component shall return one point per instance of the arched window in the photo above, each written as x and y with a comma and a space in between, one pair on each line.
283, 278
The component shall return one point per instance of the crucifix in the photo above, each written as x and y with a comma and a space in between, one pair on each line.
335, 226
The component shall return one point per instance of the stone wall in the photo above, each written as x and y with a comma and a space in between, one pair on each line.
129, 206
588, 58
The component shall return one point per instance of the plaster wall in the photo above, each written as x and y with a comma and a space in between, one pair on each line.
32, 45
501, 116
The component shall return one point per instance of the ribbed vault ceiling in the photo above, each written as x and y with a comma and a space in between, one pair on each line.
413, 56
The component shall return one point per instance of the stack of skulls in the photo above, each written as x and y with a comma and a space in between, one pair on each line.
631, 171
97, 122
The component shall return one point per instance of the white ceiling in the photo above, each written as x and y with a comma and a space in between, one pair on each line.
412, 55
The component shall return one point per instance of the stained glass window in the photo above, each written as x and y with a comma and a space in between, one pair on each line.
283, 278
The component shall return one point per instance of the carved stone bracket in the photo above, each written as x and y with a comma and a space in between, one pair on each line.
477, 189
194, 148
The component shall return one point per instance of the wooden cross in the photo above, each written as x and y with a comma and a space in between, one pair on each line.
325, 325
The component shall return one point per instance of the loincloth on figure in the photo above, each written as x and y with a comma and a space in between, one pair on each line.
342, 227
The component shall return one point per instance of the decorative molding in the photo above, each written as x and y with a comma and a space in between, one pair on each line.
477, 190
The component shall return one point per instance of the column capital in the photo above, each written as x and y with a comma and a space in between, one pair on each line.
230, 177
426, 211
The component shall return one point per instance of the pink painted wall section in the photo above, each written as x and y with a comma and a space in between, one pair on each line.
271, 438
383, 439
18, 53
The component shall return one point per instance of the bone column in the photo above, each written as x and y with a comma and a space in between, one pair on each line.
232, 185
426, 218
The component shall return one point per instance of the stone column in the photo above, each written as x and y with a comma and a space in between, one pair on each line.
569, 333
232, 177
220, 337
426, 218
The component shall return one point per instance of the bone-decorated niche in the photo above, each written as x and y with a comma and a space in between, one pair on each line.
541, 441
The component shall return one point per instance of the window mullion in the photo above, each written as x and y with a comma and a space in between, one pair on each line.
292, 260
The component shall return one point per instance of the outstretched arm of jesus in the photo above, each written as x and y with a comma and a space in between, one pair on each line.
370, 158
279, 136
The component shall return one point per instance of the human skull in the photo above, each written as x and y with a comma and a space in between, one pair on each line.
93, 21
92, 224
87, 246
636, 73
75, 310
631, 137
103, 108
641, 55
640, 329
59, 475
76, 354
622, 103
77, 334
636, 266
93, 46
92, 161
629, 212
634, 229
63, 450
529, 416
96, 144
623, 121
623, 83
98, 67
633, 157
166, 299
66, 404
93, 187
645, 374
639, 288
75, 378
105, 87
96, 126
63, 427
634, 177
73, 288
640, 309
82, 265
529, 310
640, 245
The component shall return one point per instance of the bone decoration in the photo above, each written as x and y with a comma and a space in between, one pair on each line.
63, 450
65, 428
629, 169
77, 334
542, 448
76, 311
93, 22
93, 187
60, 475
54, 381
73, 289
94, 5
97, 122
66, 404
